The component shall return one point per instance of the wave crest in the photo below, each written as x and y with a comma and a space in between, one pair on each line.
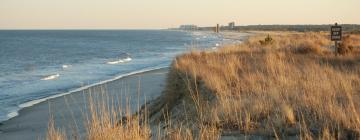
128, 59
66, 66
50, 77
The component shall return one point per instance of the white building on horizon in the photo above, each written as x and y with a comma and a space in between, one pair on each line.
188, 27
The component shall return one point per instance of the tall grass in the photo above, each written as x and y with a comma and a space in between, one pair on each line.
293, 87
107, 122
53, 133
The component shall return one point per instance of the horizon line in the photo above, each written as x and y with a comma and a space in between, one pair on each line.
163, 28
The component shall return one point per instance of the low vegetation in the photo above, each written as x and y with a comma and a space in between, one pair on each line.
105, 121
291, 86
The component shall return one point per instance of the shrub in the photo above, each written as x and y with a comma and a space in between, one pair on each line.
307, 47
346, 46
267, 41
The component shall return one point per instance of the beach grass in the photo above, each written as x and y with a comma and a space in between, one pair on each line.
105, 121
277, 85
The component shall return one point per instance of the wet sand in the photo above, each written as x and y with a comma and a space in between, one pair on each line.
69, 111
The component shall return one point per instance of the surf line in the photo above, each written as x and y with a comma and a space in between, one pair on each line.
128, 59
51, 77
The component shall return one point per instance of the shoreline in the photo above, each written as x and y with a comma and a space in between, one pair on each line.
68, 110
32, 105
231, 35
74, 90
13, 109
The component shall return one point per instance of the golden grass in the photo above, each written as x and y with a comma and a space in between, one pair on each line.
349, 45
292, 87
106, 122
53, 133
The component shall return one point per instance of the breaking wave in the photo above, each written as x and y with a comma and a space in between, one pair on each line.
128, 59
50, 77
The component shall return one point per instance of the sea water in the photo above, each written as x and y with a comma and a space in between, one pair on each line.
36, 65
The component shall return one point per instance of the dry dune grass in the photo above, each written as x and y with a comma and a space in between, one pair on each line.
292, 86
106, 122
309, 42
350, 44
53, 133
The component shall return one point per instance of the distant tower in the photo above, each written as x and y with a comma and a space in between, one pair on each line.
217, 29
231, 25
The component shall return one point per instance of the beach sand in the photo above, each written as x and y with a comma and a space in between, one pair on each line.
69, 111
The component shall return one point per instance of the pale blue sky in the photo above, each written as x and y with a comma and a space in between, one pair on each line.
147, 14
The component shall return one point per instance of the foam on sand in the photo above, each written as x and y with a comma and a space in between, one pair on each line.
12, 114
128, 59
51, 77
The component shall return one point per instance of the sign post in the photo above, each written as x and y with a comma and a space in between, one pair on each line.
336, 35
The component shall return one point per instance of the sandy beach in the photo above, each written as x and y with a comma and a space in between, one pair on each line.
179, 70
69, 111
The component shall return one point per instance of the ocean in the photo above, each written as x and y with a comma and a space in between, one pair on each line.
37, 65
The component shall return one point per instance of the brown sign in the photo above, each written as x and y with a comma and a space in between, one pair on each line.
336, 32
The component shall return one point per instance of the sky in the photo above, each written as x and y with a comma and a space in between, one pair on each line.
160, 14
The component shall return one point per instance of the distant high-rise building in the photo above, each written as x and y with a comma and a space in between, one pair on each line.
231, 25
188, 27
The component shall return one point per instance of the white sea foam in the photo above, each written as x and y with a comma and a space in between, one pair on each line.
66, 66
128, 59
31, 103
197, 33
12, 114
51, 77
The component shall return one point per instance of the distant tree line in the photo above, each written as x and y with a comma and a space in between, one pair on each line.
299, 28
